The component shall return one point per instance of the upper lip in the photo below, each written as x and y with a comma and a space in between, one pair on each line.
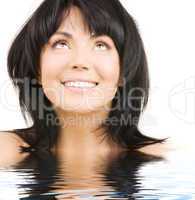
79, 80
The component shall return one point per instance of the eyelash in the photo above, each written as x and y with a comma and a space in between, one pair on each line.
104, 43
57, 42
65, 42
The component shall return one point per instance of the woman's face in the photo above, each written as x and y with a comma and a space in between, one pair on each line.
72, 62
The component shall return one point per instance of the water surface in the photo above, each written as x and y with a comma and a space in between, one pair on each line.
129, 175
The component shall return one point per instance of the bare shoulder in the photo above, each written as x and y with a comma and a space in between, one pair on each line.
158, 149
11, 140
10, 145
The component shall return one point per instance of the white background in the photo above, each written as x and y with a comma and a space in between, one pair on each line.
168, 32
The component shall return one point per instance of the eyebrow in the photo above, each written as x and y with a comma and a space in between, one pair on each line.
69, 35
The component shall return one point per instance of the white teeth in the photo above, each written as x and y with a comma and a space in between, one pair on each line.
80, 84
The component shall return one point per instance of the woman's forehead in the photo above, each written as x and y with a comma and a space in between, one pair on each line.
77, 21
74, 20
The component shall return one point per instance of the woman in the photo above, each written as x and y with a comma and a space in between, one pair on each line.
81, 72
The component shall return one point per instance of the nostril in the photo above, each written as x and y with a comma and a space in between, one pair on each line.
82, 67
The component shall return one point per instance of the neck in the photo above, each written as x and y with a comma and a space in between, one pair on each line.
79, 131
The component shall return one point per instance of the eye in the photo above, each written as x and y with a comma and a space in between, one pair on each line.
59, 44
102, 45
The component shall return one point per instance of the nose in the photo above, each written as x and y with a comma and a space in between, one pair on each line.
79, 67
81, 58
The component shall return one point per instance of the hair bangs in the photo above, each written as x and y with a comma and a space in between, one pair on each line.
96, 17
101, 19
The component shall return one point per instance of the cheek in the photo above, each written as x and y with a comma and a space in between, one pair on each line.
51, 67
109, 69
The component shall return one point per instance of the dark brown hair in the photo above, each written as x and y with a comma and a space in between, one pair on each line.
102, 17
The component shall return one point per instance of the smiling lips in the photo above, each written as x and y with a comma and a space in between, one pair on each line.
78, 83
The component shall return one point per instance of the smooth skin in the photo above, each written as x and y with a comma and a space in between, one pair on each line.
73, 52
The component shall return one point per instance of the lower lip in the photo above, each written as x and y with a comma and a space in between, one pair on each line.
79, 89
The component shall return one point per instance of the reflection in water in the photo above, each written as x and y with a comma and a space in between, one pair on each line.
44, 177
129, 175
